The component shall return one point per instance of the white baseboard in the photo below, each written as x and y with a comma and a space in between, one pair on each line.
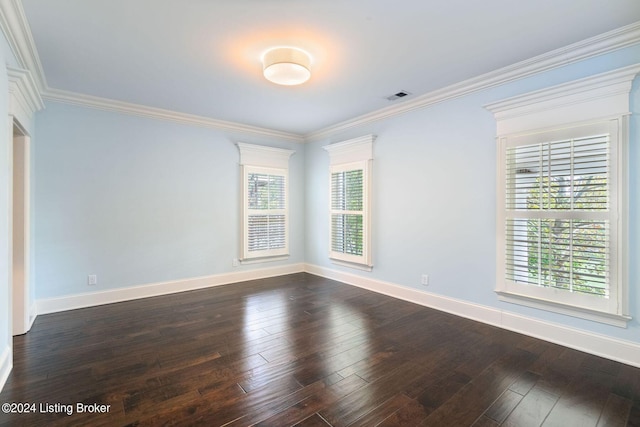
33, 313
6, 364
72, 302
600, 345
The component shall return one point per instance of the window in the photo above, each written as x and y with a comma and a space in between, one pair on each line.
264, 201
350, 218
559, 223
562, 201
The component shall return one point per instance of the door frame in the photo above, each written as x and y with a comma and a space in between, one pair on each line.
20, 228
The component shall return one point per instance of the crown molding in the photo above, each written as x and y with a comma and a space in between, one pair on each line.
15, 27
590, 98
106, 104
23, 84
605, 84
24, 97
591, 47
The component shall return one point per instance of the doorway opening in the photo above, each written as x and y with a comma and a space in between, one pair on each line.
22, 314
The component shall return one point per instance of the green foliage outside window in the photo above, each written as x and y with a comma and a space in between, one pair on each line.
568, 254
266, 191
347, 196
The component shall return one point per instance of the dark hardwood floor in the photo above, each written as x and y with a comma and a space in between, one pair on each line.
305, 351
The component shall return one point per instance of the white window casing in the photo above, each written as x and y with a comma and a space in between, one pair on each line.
265, 202
350, 202
562, 198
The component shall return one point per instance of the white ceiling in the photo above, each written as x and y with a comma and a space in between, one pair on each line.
202, 57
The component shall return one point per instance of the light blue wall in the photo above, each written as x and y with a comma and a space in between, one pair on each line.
136, 201
139, 201
434, 196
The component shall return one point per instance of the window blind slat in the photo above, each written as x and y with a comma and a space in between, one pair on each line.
347, 234
570, 176
265, 230
347, 195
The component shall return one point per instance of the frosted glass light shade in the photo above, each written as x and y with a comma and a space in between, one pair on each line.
286, 66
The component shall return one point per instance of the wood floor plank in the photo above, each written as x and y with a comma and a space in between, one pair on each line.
473, 399
307, 351
502, 407
437, 391
525, 383
409, 415
583, 401
382, 411
254, 413
368, 397
313, 404
634, 415
532, 410
615, 412
485, 421
313, 421
627, 384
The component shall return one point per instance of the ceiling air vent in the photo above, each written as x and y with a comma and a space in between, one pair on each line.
398, 95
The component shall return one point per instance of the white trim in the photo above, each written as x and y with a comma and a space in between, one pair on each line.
106, 104
618, 320
590, 98
355, 265
72, 302
24, 98
248, 213
6, 364
270, 161
612, 310
263, 259
574, 109
350, 155
33, 314
15, 27
623, 214
263, 156
352, 150
611, 348
591, 47
21, 285
597, 86
600, 345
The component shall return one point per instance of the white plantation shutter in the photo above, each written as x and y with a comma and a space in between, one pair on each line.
562, 198
266, 216
347, 212
265, 221
558, 213
350, 202
560, 226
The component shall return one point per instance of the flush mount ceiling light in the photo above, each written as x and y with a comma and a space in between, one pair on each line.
286, 66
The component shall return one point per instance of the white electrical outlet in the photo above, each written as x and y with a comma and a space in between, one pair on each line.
425, 279
235, 262
92, 279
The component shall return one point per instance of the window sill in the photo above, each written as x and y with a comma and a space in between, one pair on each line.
249, 261
362, 267
617, 320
